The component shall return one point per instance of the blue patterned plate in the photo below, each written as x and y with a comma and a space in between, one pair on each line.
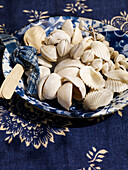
117, 39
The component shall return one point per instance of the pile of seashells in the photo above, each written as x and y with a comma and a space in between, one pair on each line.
85, 68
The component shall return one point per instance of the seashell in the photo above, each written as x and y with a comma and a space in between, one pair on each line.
111, 65
43, 62
100, 50
114, 54
49, 52
87, 42
68, 27
118, 58
120, 75
34, 37
91, 77
105, 67
63, 47
40, 87
79, 89
67, 56
96, 99
124, 63
64, 95
51, 86
68, 63
97, 64
88, 56
105, 43
76, 51
56, 36
44, 71
115, 85
81, 25
118, 66
68, 71
77, 36
111, 49
100, 37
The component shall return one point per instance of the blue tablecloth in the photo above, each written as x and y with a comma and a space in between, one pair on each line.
87, 145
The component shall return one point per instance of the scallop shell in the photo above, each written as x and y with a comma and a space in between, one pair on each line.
100, 50
115, 85
68, 71
44, 71
76, 51
68, 63
96, 99
49, 52
34, 37
51, 86
56, 36
40, 87
77, 36
88, 56
91, 77
43, 62
79, 89
120, 75
68, 27
63, 47
64, 95
97, 64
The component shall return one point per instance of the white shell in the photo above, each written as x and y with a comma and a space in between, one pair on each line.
111, 65
64, 95
51, 86
87, 42
88, 56
76, 51
40, 87
68, 27
34, 37
77, 36
63, 47
79, 87
97, 64
43, 62
105, 67
119, 57
92, 78
81, 25
105, 43
44, 71
100, 37
100, 50
120, 75
49, 52
56, 36
96, 99
124, 63
115, 85
68, 63
114, 54
68, 71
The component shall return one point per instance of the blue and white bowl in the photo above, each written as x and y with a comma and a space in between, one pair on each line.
117, 39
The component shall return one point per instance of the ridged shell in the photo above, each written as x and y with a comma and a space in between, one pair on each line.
68, 27
115, 85
63, 47
100, 50
91, 77
76, 51
40, 87
120, 75
43, 62
77, 36
68, 63
56, 36
49, 52
64, 95
79, 89
68, 71
88, 56
96, 99
97, 64
87, 42
51, 86
34, 37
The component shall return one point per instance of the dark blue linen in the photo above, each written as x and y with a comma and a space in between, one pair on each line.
69, 152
